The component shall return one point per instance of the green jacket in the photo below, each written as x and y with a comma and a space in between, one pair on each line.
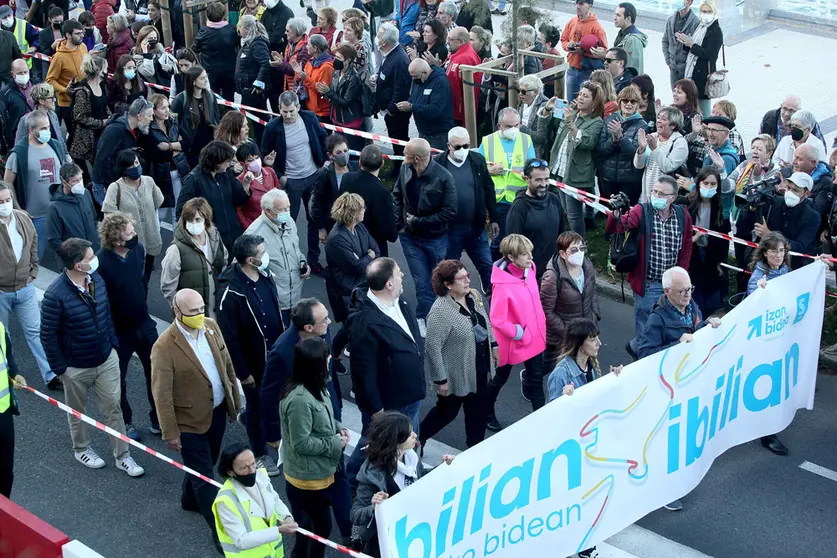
311, 445
194, 269
580, 170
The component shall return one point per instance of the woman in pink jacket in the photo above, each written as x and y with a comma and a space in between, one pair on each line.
519, 323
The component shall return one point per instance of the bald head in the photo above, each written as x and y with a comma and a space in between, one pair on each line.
417, 154
19, 65
20, 72
188, 302
805, 158
419, 69
457, 38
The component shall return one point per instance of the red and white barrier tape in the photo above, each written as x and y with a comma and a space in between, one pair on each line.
104, 428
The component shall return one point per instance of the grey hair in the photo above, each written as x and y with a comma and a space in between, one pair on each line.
93, 65
389, 34
270, 198
138, 106
458, 132
254, 29
299, 25
668, 275
531, 82
674, 116
5, 186
449, 8
119, 21
288, 98
526, 34
505, 111
318, 42
795, 99
40, 92
35, 117
804, 117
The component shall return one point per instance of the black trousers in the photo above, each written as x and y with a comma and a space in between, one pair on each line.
447, 408
140, 342
252, 419
260, 102
200, 452
7, 456
312, 510
223, 83
532, 382
149, 267
398, 127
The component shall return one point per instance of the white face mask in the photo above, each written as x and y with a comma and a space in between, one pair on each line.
460, 155
265, 261
7, 22
270, 4
5, 209
195, 229
791, 199
706, 19
576, 259
22, 79
511, 133
77, 189
94, 265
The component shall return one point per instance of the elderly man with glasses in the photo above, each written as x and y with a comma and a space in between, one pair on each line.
722, 155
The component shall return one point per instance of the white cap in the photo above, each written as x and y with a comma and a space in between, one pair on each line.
802, 180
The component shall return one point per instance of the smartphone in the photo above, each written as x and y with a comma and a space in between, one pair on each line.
560, 105
303, 268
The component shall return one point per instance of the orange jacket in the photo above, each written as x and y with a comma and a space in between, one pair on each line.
575, 30
316, 102
64, 68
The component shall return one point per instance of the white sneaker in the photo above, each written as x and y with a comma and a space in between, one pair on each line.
130, 466
89, 458
422, 327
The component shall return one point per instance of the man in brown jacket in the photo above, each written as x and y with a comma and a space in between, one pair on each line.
194, 385
18, 270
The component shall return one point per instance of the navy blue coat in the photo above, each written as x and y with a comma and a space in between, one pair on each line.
432, 104
70, 216
274, 140
394, 80
76, 329
665, 326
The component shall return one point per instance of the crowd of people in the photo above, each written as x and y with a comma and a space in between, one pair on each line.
110, 136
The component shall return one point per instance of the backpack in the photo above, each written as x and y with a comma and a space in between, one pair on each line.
367, 99
624, 249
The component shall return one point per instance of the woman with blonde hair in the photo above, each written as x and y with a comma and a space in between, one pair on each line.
704, 45
119, 40
605, 81
90, 109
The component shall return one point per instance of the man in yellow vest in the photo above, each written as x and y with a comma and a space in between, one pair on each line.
506, 152
8, 407
26, 35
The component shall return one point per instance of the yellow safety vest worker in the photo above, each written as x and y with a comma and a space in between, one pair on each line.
227, 497
5, 392
506, 186
20, 35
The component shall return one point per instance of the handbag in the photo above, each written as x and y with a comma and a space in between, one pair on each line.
717, 84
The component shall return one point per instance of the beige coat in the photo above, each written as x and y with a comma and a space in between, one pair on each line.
182, 390
142, 204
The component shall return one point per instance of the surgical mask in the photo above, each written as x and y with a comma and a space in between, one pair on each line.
341, 159
130, 74
576, 259
22, 79
133, 173
255, 165
195, 229
791, 199
94, 265
460, 155
511, 133
338, 64
132, 242
247, 480
708, 193
706, 19
265, 262
194, 322
797, 134
658, 203
270, 4
7, 22
283, 217
77, 189
44, 136
5, 209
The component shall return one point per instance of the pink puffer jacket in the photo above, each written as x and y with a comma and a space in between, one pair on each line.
515, 300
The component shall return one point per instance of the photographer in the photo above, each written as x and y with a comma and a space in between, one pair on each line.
791, 213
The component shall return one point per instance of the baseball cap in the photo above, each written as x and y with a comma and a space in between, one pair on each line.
803, 180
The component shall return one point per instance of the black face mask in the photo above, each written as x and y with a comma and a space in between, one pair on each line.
131, 244
797, 134
418, 81
338, 64
247, 480
57, 26
152, 44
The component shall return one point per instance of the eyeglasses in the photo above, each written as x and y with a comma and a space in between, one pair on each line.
326, 320
629, 101
686, 292
609, 60
717, 130
660, 194
537, 164
460, 147
576, 249
463, 278
525, 91
776, 251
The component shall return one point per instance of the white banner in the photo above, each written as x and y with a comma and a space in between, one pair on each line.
585, 467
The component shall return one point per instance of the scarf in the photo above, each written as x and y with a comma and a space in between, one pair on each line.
321, 59
697, 37
216, 24
406, 472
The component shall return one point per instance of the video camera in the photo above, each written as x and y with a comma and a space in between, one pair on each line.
761, 193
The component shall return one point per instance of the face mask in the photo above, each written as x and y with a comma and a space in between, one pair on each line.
255, 165
706, 19
511, 133
459, 155
195, 229
707, 193
194, 322
8, 21
797, 134
265, 262
283, 217
56, 26
152, 45
130, 74
5, 209
576, 259
791, 199
418, 81
247, 480
44, 136
132, 243
341, 159
658, 203
338, 64
22, 79
133, 172
94, 265
270, 4
77, 189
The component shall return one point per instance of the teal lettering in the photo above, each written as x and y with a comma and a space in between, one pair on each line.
523, 475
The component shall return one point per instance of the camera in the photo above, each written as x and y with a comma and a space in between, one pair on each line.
619, 202
762, 193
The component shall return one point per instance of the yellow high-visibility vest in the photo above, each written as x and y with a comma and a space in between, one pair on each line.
506, 186
227, 497
20, 35
5, 392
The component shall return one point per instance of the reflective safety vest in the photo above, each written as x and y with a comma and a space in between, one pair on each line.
506, 186
227, 497
20, 35
5, 393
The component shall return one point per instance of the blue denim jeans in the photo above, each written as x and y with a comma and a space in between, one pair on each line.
422, 255
25, 304
475, 244
643, 305
99, 192
502, 212
574, 80
40, 230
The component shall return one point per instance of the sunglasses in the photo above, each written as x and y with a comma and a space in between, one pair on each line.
460, 147
537, 164
609, 60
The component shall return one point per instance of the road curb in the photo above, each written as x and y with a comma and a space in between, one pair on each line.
614, 291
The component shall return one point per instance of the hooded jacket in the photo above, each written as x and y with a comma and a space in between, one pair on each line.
432, 104
562, 301
575, 30
116, 137
625, 79
822, 193
65, 67
615, 159
102, 9
318, 70
666, 325
517, 316
70, 216
436, 195
540, 220
633, 41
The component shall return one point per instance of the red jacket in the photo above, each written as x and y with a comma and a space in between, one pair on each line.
119, 44
468, 57
575, 30
101, 10
250, 211
633, 220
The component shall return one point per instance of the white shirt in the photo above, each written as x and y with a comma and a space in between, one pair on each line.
15, 237
785, 149
203, 351
394, 312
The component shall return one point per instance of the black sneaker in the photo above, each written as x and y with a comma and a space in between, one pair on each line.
55, 384
493, 424
317, 269
339, 368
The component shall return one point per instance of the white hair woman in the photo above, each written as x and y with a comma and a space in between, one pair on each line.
530, 88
